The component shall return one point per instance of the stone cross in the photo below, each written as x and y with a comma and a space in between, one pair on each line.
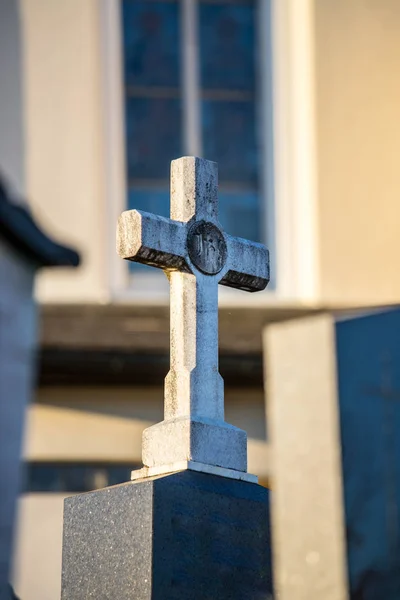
197, 256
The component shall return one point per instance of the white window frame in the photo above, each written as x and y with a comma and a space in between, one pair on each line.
288, 173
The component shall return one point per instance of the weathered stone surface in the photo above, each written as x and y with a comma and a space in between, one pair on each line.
206, 247
248, 267
197, 255
152, 240
203, 441
187, 535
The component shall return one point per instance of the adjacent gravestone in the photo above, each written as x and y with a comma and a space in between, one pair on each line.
192, 523
334, 424
24, 248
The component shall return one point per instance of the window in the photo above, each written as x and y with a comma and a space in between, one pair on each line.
190, 77
74, 477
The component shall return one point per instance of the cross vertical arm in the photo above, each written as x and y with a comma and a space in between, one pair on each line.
194, 189
152, 240
194, 387
248, 265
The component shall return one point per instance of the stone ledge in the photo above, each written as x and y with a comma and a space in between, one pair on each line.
139, 328
191, 465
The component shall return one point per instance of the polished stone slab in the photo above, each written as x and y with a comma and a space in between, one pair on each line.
186, 535
368, 366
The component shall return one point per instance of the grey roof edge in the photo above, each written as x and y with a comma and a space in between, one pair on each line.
19, 228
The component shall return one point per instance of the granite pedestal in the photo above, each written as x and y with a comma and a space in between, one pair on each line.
186, 535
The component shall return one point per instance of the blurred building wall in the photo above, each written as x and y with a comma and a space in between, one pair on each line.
64, 138
12, 152
358, 90
37, 568
89, 424
18, 336
356, 54
17, 308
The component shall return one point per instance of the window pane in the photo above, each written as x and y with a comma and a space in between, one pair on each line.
153, 136
229, 138
239, 214
227, 46
43, 478
151, 43
151, 200
74, 477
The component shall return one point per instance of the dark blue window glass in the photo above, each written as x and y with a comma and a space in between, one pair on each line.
238, 214
73, 477
227, 45
229, 138
151, 43
153, 108
229, 125
153, 50
153, 137
150, 199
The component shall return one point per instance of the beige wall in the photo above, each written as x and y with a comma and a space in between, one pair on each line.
358, 106
106, 424
37, 562
65, 171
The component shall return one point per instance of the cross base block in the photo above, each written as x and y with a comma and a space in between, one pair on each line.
199, 440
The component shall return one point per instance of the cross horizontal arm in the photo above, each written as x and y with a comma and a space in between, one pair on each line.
152, 240
248, 265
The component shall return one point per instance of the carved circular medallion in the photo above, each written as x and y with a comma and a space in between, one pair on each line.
207, 247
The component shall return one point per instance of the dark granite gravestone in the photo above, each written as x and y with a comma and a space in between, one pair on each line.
334, 421
368, 358
24, 248
187, 535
